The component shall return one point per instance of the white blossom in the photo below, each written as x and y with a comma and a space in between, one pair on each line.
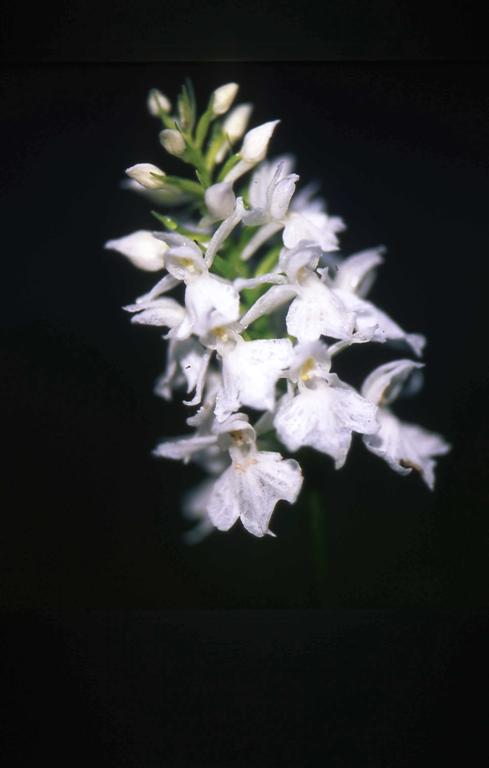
353, 280
209, 300
315, 310
325, 411
402, 445
250, 371
274, 207
251, 486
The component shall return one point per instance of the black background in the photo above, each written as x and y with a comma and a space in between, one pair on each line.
91, 524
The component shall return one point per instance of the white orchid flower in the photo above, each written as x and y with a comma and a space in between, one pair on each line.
308, 221
142, 249
209, 300
353, 280
270, 193
251, 486
315, 310
250, 369
274, 207
325, 411
250, 372
250, 489
403, 446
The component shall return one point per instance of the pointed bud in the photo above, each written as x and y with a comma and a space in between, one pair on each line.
142, 249
255, 143
220, 200
223, 97
157, 102
173, 142
145, 174
234, 127
237, 121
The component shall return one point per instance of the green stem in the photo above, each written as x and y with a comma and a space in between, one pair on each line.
318, 542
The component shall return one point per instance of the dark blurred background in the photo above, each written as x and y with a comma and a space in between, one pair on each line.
393, 123
89, 519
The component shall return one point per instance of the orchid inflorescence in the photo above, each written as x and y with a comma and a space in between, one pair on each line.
263, 287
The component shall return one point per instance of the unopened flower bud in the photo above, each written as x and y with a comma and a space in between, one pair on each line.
157, 102
255, 143
223, 97
173, 142
234, 127
144, 173
236, 122
220, 200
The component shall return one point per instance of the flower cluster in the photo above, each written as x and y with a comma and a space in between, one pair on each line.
263, 305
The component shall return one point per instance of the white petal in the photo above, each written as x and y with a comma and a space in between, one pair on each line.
311, 227
159, 312
270, 301
211, 301
185, 263
251, 489
220, 200
371, 318
236, 122
406, 446
223, 506
260, 181
384, 384
223, 97
318, 312
297, 261
196, 376
183, 448
357, 273
142, 249
314, 353
324, 418
262, 485
250, 372
167, 283
185, 361
255, 143
282, 195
